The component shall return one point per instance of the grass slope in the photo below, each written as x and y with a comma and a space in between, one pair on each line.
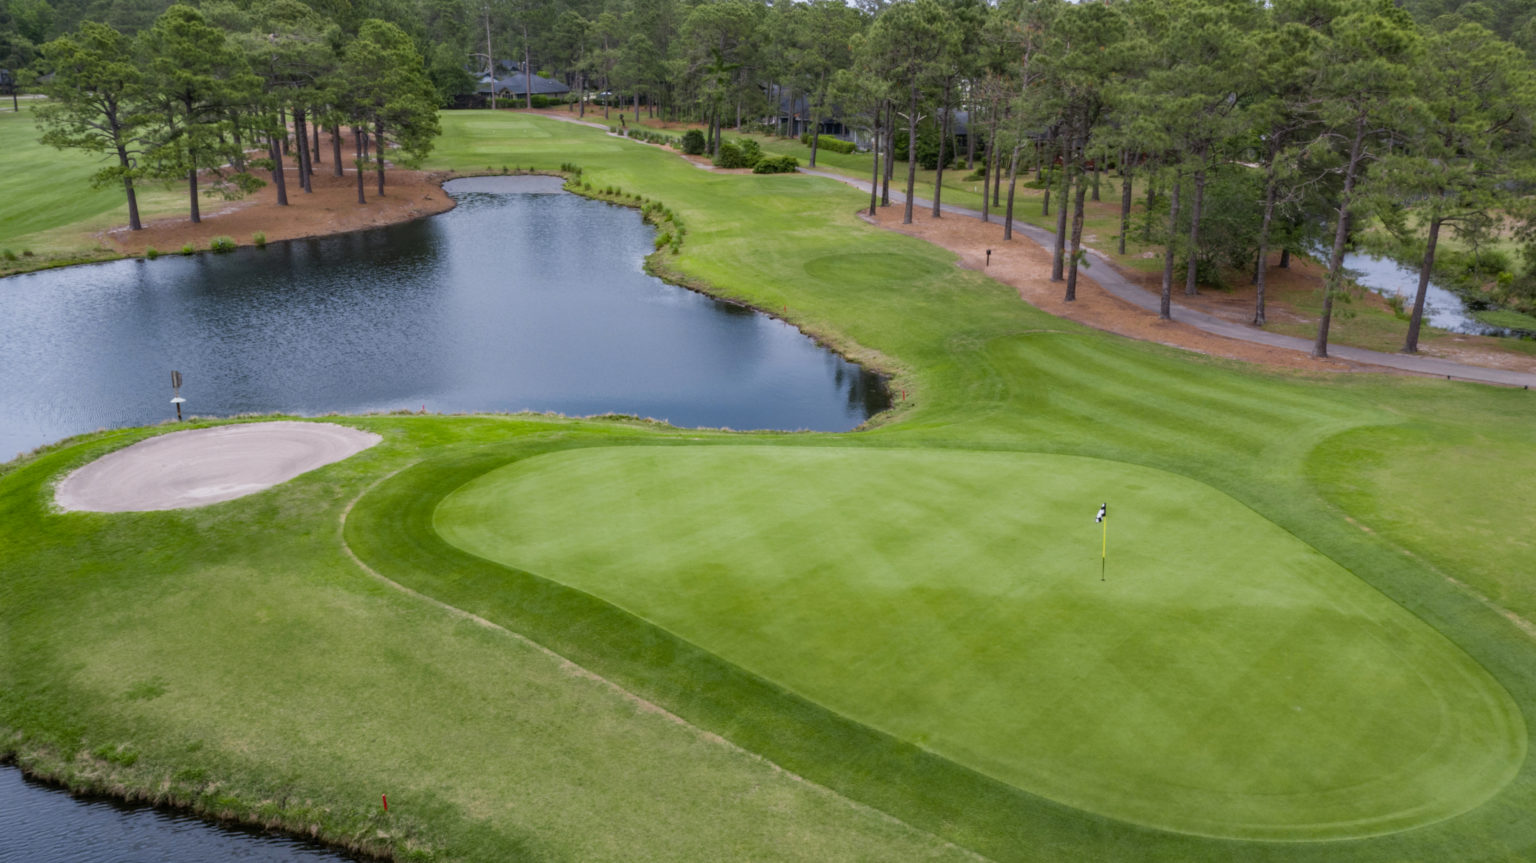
237, 659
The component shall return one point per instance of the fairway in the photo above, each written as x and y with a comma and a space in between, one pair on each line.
1225, 680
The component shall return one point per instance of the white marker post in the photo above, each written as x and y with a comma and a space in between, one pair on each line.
176, 398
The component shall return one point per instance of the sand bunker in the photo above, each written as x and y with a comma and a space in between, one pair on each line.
204, 466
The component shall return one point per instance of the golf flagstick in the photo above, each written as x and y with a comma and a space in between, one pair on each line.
1103, 518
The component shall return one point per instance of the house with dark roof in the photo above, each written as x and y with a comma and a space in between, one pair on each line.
511, 82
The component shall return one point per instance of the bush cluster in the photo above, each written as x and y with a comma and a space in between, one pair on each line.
223, 245
693, 142
828, 143
741, 153
776, 165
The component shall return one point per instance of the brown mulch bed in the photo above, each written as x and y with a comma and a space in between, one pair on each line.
1026, 267
331, 209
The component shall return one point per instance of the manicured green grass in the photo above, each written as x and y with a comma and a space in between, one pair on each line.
1458, 494
237, 658
47, 204
953, 599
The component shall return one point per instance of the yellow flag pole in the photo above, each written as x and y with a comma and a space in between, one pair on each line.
1104, 550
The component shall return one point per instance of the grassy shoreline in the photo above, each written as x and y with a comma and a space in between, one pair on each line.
116, 629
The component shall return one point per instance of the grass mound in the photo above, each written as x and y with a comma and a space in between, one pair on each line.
1226, 680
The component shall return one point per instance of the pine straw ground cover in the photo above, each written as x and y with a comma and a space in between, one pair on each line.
885, 645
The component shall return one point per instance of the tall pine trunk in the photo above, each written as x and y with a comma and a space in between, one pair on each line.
997, 175
1146, 226
938, 177
192, 193
133, 196
1194, 233
315, 150
1059, 248
301, 137
1126, 183
1165, 302
815, 138
890, 154
378, 146
986, 186
906, 218
1411, 345
994, 164
1340, 236
1013, 179
874, 178
357, 135
1049, 183
1096, 161
1261, 269
279, 174
1077, 235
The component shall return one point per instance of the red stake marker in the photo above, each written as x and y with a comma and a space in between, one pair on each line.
385, 798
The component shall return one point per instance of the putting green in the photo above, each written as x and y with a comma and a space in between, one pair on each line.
1226, 679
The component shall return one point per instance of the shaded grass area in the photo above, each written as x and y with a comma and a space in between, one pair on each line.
237, 657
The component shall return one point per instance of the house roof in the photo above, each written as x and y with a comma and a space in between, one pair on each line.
518, 84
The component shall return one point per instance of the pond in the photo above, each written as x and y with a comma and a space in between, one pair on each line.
524, 297
41, 824
1442, 308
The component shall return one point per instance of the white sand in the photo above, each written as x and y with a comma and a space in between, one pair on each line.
203, 466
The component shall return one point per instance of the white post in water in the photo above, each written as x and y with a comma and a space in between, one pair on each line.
176, 398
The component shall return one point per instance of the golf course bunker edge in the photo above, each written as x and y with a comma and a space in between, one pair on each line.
198, 467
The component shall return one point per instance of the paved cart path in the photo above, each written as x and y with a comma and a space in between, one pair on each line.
1108, 277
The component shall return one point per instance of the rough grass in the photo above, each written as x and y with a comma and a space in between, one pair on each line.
254, 668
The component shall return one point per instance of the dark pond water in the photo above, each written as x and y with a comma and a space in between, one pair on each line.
525, 300
39, 824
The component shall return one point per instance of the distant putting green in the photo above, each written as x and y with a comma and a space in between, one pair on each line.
1225, 680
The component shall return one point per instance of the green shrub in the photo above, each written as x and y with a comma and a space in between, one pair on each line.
828, 143
223, 245
151, 253
776, 165
188, 249
9, 255
750, 150
259, 240
693, 142
663, 239
927, 146
734, 154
